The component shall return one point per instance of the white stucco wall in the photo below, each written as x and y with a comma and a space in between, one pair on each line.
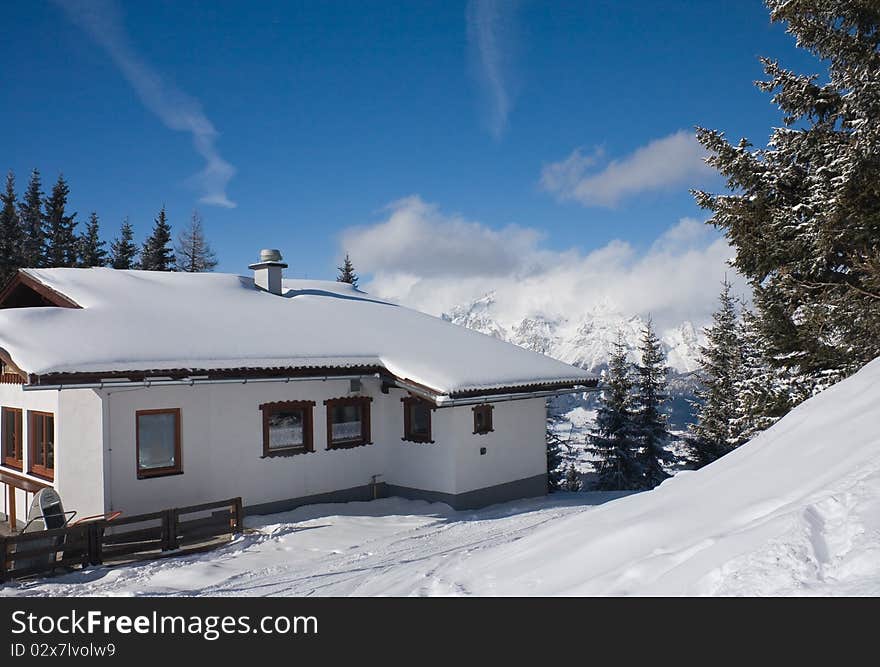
222, 446
515, 450
453, 464
221, 436
79, 445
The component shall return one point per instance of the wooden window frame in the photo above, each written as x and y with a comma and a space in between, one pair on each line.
487, 409
408, 435
364, 403
177, 468
33, 468
308, 445
18, 417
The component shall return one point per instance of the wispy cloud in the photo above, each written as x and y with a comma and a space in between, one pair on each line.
433, 261
491, 25
103, 21
662, 164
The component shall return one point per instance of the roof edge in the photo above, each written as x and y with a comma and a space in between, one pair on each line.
24, 278
202, 375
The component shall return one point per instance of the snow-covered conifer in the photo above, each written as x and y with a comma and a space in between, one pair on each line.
157, 254
123, 251
92, 251
10, 232
803, 213
614, 438
721, 357
648, 399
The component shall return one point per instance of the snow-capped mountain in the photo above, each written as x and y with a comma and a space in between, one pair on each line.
586, 340
582, 339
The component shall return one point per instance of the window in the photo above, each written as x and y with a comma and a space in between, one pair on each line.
348, 422
158, 443
12, 455
483, 419
41, 437
416, 419
287, 428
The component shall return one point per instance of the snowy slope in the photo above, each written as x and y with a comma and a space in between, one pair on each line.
795, 512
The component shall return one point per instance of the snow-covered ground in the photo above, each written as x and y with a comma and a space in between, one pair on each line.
794, 512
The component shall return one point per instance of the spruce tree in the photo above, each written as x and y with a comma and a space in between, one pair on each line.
10, 232
803, 213
193, 252
720, 358
123, 251
347, 273
157, 254
30, 215
60, 243
763, 392
92, 250
555, 460
614, 437
572, 480
649, 395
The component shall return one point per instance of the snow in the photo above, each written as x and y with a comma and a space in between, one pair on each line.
796, 511
144, 320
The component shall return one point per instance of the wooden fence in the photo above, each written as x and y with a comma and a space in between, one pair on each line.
175, 531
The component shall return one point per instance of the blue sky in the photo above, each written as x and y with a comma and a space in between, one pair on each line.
324, 113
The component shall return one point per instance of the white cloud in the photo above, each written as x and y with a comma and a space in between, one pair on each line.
433, 261
102, 20
673, 161
490, 28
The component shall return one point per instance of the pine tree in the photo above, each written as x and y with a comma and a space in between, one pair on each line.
614, 437
650, 421
10, 232
764, 393
92, 251
123, 251
157, 254
555, 460
30, 215
720, 360
804, 213
60, 247
194, 253
346, 272
572, 478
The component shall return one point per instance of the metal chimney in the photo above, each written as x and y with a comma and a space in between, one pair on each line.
267, 272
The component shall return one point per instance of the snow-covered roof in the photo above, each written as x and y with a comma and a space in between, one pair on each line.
150, 321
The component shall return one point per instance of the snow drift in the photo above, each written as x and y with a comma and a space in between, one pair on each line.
795, 508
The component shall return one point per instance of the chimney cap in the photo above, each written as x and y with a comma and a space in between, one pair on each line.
270, 255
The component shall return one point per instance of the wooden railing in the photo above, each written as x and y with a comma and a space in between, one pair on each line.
175, 531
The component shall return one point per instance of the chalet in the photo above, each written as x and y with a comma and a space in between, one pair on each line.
136, 390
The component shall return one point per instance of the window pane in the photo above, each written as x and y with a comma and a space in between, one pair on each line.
345, 422
286, 429
9, 442
39, 437
420, 419
156, 438
483, 419
49, 439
